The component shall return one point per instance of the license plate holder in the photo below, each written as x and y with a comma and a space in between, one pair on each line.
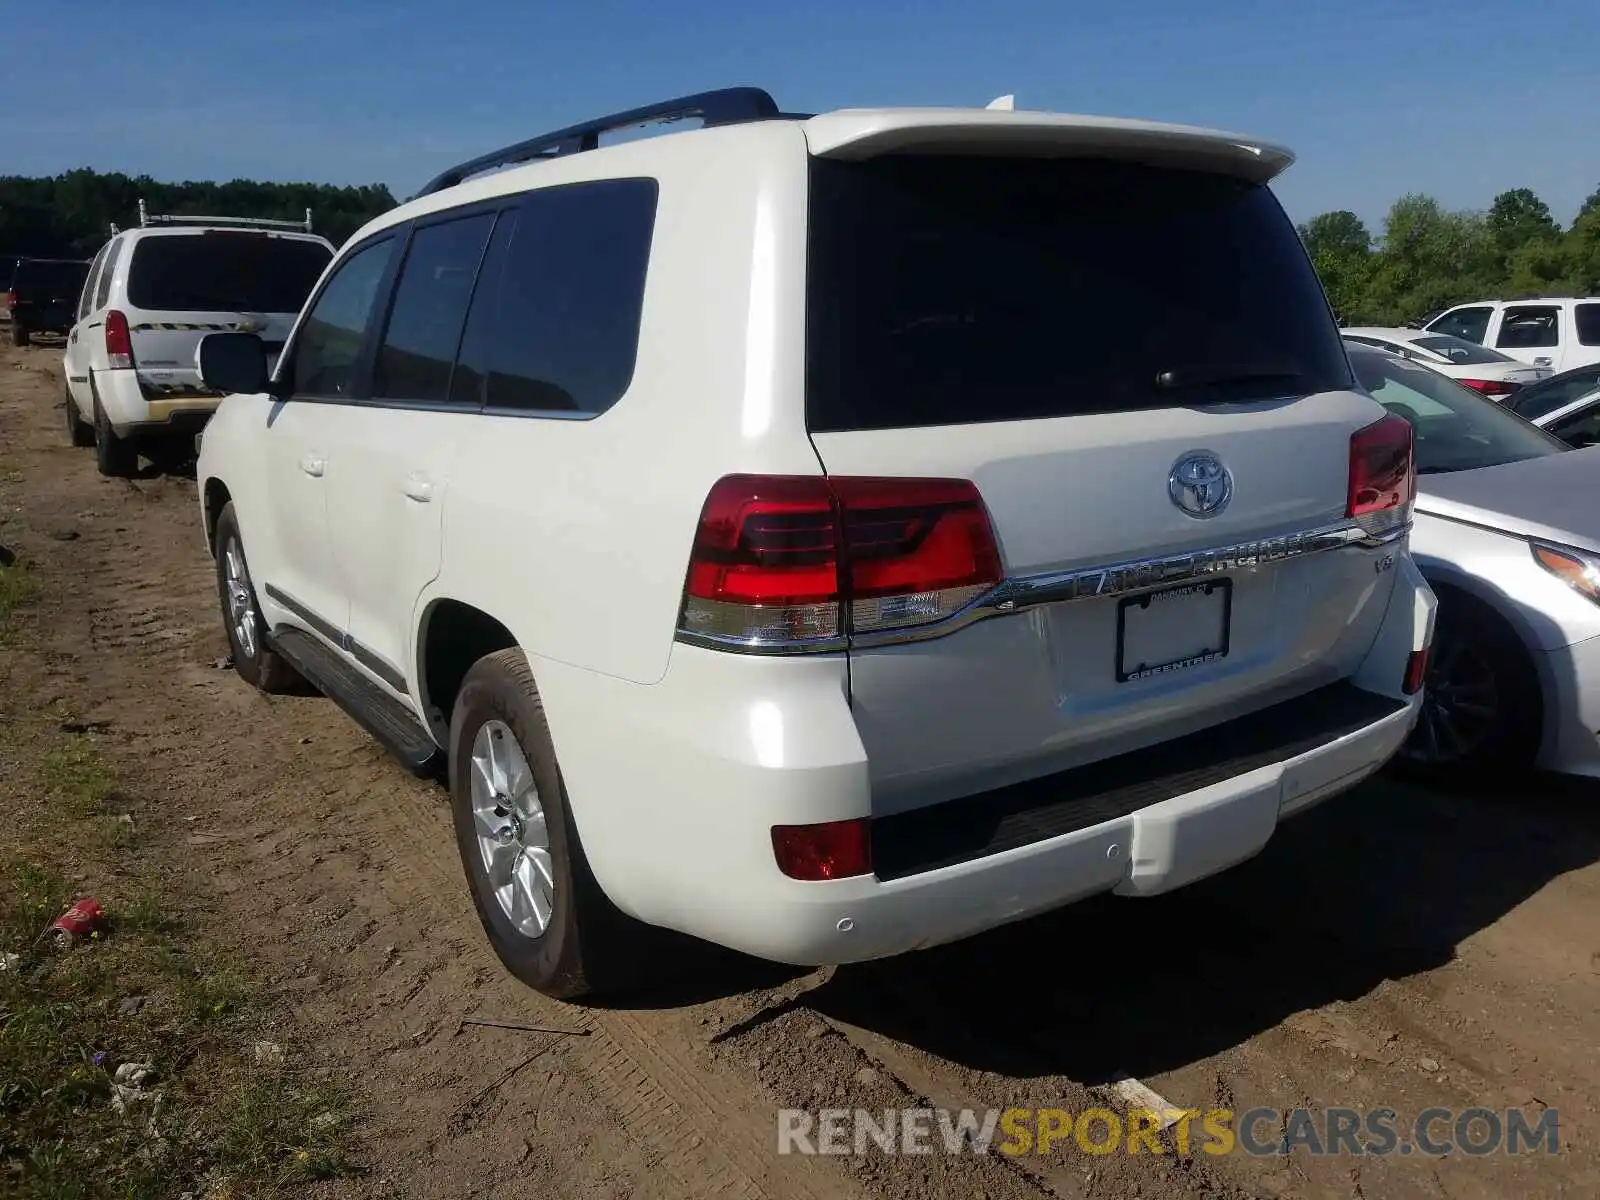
1154, 639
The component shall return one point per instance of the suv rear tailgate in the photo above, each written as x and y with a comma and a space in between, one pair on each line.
184, 284
1006, 321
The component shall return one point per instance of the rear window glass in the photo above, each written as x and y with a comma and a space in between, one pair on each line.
948, 290
1455, 429
1532, 328
63, 278
1459, 350
1541, 398
224, 272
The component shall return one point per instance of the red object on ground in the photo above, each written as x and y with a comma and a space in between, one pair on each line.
78, 922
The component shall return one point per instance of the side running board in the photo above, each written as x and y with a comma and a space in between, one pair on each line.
385, 718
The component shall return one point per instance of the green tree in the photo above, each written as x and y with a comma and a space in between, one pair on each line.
1337, 235
1340, 248
1429, 259
1592, 204
1527, 240
1518, 217
70, 214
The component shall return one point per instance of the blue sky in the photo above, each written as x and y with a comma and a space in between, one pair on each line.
1377, 98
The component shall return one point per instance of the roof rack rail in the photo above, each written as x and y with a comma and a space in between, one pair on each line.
725, 106
148, 218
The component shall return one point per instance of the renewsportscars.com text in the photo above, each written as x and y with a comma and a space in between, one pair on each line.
1260, 1132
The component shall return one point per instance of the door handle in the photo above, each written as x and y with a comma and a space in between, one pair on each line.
419, 488
313, 465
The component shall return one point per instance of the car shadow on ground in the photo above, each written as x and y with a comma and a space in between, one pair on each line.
1382, 883
1379, 884
172, 458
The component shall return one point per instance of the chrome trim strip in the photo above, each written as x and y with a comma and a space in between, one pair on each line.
1088, 583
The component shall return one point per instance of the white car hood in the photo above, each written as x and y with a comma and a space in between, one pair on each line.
1555, 497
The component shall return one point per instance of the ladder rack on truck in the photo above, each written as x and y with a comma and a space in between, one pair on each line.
148, 218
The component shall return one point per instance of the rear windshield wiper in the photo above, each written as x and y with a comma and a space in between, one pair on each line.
1187, 377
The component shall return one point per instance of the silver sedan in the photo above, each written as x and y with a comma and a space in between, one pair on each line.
1508, 534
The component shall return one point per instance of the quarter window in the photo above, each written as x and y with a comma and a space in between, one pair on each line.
1588, 317
571, 297
91, 282
330, 340
430, 307
102, 294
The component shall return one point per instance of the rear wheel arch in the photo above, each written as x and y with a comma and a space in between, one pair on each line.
451, 637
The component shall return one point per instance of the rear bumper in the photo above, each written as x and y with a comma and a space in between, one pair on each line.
133, 412
675, 788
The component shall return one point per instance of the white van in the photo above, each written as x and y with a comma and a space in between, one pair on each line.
152, 294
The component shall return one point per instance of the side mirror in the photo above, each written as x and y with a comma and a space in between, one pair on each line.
233, 363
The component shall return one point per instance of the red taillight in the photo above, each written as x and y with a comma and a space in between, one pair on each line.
780, 560
1493, 388
1416, 672
11, 301
1381, 470
119, 341
835, 850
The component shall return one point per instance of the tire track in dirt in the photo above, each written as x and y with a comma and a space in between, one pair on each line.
344, 873
280, 822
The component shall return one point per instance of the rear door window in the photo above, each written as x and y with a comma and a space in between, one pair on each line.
224, 271
1472, 324
1588, 319
948, 290
1529, 327
430, 307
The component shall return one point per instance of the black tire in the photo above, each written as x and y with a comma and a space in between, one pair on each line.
19, 333
588, 947
1482, 710
260, 666
115, 457
79, 430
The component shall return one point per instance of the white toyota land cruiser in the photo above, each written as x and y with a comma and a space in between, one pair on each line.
728, 512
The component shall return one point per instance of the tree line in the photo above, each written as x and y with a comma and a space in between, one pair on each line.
70, 215
1428, 258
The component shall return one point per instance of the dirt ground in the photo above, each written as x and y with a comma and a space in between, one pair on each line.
1394, 947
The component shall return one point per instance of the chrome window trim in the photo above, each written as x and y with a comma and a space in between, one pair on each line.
1024, 592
